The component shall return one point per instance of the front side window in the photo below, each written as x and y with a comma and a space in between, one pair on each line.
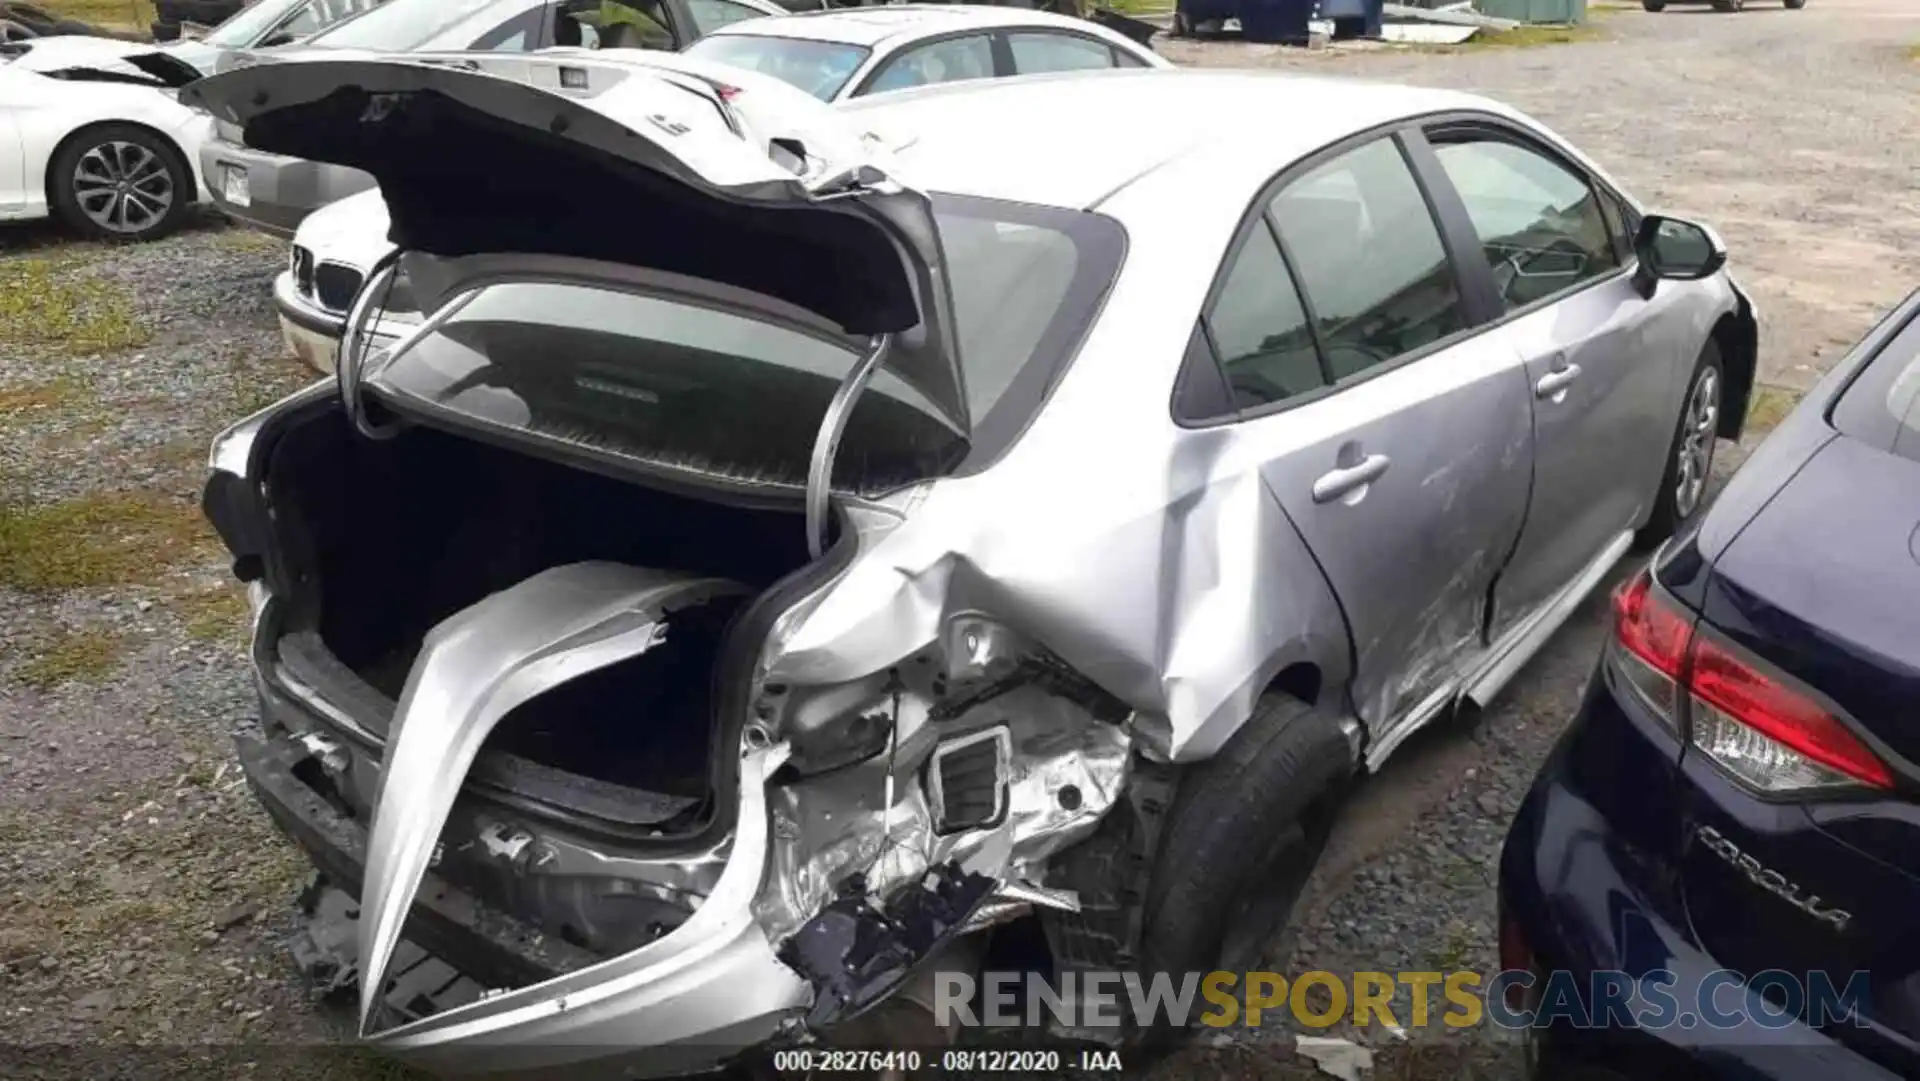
1540, 223
1259, 329
1034, 53
317, 15
949, 61
1369, 258
613, 24
820, 68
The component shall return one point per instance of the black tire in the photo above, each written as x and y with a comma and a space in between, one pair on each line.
1655, 6
1246, 825
144, 220
1182, 26
1796, 5
1670, 509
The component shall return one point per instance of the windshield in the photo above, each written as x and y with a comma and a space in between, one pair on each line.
676, 382
820, 68
1882, 406
398, 25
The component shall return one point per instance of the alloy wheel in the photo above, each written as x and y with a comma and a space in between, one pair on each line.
1694, 454
123, 187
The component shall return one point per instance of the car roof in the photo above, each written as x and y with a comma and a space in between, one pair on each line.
1073, 140
872, 27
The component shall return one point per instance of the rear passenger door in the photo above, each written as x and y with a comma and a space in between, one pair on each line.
1551, 241
1395, 435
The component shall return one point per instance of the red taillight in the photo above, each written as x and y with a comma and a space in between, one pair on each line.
1648, 627
1515, 956
1738, 690
1751, 721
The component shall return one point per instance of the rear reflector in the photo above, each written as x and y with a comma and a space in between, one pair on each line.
1754, 722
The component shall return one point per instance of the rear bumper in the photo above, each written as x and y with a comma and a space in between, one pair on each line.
281, 191
688, 1001
1588, 896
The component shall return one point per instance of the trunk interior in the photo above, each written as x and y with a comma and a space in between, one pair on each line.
385, 539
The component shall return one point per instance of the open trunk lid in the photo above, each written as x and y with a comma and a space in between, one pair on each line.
660, 162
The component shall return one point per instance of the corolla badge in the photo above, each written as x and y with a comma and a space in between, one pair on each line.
1771, 880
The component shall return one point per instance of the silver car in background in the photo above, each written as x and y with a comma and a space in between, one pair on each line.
274, 192
816, 537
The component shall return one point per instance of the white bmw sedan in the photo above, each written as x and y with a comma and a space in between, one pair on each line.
835, 55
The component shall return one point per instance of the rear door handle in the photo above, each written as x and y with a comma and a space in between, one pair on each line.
1556, 381
1343, 482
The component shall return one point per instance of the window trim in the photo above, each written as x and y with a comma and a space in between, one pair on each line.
1487, 127
1402, 132
879, 64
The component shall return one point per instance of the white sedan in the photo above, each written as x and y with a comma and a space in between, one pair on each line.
833, 55
845, 53
106, 149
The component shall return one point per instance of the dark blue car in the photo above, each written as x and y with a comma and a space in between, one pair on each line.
1717, 872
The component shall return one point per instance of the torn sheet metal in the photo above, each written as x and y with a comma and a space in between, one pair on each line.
1067, 769
474, 668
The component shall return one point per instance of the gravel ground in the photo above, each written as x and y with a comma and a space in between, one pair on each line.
143, 897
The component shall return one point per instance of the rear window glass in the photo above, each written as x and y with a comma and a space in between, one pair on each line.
675, 380
820, 68
1882, 407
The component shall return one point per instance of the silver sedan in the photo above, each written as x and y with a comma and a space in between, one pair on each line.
801, 538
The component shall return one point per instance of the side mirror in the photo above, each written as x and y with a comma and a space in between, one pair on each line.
1672, 249
276, 39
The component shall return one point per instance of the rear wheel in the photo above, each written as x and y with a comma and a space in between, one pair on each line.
1654, 5
120, 182
1244, 832
1796, 5
1683, 486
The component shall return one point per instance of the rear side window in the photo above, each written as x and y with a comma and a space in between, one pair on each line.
1376, 278
1034, 53
1259, 329
950, 61
1882, 407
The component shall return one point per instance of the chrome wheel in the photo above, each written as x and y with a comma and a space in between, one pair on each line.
1694, 451
122, 187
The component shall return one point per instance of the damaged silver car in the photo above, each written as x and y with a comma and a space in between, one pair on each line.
799, 543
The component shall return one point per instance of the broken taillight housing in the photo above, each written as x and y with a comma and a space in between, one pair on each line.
1754, 722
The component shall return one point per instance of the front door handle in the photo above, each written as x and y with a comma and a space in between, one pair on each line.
1340, 483
1556, 381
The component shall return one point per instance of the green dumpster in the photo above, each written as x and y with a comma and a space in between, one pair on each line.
1535, 11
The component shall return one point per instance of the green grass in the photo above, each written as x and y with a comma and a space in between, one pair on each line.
31, 401
123, 14
71, 656
1770, 406
1527, 37
214, 614
104, 538
48, 305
